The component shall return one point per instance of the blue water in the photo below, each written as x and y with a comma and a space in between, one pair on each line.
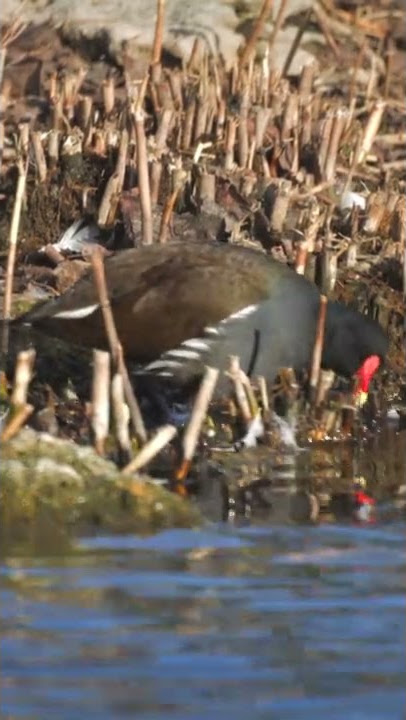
256, 623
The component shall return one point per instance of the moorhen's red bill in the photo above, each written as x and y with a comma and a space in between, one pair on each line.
180, 306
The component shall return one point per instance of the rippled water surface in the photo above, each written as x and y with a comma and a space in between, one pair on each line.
282, 622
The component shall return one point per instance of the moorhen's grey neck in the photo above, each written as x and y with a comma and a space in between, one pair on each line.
180, 306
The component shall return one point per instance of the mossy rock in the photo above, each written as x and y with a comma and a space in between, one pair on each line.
57, 489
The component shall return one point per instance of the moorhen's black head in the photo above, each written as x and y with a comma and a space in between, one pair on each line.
354, 344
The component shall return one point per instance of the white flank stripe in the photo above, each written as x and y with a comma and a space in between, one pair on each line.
186, 354
76, 314
158, 364
211, 330
196, 344
240, 314
165, 374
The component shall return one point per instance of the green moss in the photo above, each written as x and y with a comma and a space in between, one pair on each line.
58, 484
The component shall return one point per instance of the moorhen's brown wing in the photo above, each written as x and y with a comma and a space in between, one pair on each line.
163, 295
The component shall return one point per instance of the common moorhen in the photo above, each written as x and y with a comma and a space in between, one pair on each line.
180, 306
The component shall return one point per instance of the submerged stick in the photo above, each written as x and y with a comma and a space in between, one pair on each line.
162, 437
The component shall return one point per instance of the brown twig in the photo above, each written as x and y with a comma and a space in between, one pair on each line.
114, 342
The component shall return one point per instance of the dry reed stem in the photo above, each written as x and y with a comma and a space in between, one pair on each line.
318, 348
176, 85
243, 128
372, 80
325, 134
53, 147
22, 377
166, 216
221, 119
188, 124
263, 390
202, 111
108, 93
192, 431
16, 422
2, 138
234, 373
323, 20
301, 258
254, 409
11, 34
278, 24
114, 342
280, 205
325, 384
329, 269
230, 142
296, 41
371, 129
390, 56
84, 113
162, 437
114, 185
161, 136
143, 177
39, 156
337, 130
255, 33
159, 32
121, 414
13, 236
100, 414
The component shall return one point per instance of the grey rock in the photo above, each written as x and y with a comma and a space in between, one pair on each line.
128, 25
